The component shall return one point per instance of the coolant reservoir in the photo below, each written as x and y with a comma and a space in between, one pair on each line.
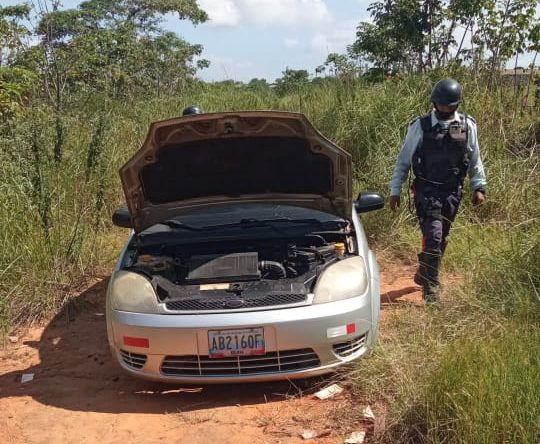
339, 248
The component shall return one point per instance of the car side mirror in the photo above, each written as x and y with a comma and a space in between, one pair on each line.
122, 218
368, 201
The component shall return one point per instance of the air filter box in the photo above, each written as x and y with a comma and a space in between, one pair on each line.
224, 268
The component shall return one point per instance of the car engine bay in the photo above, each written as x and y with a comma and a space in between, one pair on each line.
238, 274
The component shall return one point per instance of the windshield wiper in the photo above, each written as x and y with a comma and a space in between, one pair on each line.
180, 225
275, 223
244, 223
251, 223
282, 219
306, 221
255, 223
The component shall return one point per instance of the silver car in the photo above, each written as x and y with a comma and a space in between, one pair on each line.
247, 260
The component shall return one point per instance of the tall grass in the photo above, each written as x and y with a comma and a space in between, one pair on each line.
449, 375
484, 391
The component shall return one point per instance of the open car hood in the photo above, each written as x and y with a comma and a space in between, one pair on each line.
252, 156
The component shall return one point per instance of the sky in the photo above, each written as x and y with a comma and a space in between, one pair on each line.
244, 39
260, 38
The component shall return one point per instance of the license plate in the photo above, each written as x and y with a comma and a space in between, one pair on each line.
241, 342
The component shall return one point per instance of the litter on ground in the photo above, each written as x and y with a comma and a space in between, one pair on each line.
356, 438
368, 413
26, 377
309, 434
329, 391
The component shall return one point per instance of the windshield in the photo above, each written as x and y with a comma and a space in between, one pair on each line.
278, 219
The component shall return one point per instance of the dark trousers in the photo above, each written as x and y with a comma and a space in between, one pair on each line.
436, 210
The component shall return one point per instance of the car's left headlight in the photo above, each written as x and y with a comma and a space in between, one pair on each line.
346, 279
131, 291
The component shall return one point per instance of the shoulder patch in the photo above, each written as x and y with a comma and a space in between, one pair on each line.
414, 120
468, 116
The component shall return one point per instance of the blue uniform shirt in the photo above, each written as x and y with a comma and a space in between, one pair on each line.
413, 140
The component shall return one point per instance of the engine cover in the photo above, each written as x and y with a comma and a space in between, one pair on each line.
217, 268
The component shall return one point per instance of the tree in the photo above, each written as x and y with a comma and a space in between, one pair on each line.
230, 82
397, 37
112, 46
116, 46
418, 35
15, 82
460, 13
533, 46
258, 84
12, 32
505, 29
292, 80
339, 66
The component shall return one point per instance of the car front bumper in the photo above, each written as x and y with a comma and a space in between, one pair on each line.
300, 342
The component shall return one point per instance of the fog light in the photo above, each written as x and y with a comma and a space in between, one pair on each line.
342, 330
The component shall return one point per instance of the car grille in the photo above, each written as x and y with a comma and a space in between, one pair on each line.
272, 362
133, 360
345, 349
231, 303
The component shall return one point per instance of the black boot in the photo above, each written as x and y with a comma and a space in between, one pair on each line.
444, 243
420, 275
431, 286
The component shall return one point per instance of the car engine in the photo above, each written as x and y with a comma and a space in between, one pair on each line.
229, 274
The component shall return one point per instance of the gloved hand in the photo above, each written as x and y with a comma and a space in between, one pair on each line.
395, 202
478, 198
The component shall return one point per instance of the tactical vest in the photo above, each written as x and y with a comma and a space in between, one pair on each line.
442, 160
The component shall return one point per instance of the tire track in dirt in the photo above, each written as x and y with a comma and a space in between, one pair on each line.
78, 395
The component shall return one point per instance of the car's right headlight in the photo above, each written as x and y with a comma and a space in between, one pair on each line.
346, 279
132, 292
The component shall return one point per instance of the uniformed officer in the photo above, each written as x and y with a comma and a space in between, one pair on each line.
442, 148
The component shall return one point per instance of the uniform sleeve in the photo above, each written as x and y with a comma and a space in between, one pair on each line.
403, 163
476, 172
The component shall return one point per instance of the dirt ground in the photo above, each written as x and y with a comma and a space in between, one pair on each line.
79, 396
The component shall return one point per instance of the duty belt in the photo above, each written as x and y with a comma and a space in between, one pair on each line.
444, 186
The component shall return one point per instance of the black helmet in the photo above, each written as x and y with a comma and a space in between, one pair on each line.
191, 110
446, 92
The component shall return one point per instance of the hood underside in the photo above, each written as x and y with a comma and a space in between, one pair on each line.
253, 156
